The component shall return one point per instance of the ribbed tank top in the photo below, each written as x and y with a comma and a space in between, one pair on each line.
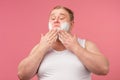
63, 65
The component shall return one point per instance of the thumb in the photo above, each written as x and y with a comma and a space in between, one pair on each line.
75, 36
41, 35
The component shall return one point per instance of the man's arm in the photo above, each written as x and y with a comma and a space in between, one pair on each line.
90, 56
29, 66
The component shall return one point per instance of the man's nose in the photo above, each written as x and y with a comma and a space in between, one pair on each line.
56, 19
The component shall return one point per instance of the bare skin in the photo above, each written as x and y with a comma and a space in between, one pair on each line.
90, 56
28, 67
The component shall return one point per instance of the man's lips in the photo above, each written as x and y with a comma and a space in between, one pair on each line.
56, 25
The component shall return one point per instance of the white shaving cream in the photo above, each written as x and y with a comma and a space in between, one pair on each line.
64, 26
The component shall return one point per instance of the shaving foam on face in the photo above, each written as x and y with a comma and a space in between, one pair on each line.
49, 26
64, 26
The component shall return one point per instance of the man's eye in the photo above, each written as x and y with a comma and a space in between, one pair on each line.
62, 17
52, 18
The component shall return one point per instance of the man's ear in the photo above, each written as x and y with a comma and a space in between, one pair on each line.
71, 24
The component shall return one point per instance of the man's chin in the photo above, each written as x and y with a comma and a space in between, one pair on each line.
56, 28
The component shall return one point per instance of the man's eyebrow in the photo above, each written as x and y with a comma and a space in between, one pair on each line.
52, 14
60, 14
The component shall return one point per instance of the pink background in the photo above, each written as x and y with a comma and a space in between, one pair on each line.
22, 22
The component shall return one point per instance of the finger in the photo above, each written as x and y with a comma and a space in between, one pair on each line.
65, 35
52, 40
52, 33
48, 32
41, 35
53, 36
62, 34
75, 36
62, 38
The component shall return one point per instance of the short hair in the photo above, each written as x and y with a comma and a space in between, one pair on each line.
71, 14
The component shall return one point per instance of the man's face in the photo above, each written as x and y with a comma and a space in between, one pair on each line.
58, 17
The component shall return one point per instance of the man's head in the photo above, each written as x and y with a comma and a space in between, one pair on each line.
61, 18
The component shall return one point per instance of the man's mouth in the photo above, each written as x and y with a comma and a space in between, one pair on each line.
56, 25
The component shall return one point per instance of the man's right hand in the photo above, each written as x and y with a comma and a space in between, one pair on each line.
47, 40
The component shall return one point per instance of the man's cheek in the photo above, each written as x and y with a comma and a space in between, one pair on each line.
50, 26
65, 26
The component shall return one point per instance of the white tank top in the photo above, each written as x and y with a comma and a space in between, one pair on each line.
63, 65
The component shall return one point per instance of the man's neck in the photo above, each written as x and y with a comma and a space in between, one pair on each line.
58, 45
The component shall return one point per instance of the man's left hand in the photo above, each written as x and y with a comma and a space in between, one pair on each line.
68, 40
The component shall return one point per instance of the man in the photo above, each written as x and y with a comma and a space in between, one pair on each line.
62, 56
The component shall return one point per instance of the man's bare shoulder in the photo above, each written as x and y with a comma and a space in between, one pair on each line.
91, 46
